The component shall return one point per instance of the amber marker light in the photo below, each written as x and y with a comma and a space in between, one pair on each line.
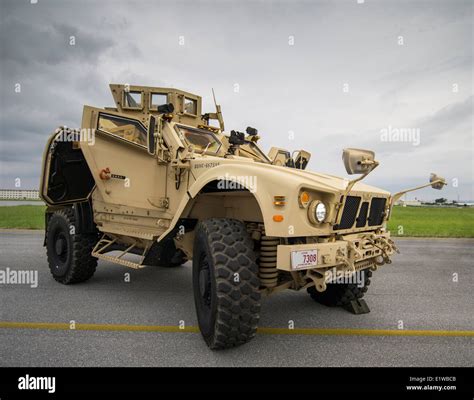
278, 218
304, 199
279, 201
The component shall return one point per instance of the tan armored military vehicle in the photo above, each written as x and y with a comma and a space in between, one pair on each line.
155, 182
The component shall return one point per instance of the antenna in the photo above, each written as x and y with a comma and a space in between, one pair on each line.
214, 96
218, 112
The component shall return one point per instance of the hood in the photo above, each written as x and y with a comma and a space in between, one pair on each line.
287, 176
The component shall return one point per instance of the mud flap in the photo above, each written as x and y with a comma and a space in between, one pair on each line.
358, 306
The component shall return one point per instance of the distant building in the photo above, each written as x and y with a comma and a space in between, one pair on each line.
19, 194
405, 203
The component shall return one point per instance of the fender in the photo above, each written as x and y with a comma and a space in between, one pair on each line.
216, 174
267, 182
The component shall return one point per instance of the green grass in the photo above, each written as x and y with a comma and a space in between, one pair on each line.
432, 222
39, 201
415, 221
22, 217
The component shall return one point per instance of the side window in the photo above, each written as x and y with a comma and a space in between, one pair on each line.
190, 106
132, 99
124, 128
158, 99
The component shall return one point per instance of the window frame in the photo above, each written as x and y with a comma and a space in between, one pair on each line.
124, 103
151, 107
113, 135
195, 102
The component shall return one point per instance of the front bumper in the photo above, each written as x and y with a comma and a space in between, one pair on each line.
353, 252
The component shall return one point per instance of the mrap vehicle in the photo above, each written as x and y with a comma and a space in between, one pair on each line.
154, 181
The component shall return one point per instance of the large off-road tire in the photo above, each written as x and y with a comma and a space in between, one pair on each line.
341, 294
69, 254
225, 283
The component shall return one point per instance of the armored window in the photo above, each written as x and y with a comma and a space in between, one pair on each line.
132, 99
124, 128
202, 141
190, 106
158, 99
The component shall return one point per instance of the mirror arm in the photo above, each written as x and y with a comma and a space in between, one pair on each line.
398, 195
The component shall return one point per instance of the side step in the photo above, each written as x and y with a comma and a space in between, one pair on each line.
105, 243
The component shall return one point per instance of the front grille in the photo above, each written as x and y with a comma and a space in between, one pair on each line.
377, 211
349, 213
362, 218
375, 217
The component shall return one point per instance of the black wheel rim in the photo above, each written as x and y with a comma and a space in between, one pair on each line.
204, 280
61, 247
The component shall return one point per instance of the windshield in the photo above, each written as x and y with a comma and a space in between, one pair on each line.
201, 140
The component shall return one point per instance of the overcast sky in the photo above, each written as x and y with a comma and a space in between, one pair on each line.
319, 75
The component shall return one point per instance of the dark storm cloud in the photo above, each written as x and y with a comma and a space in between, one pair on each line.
31, 44
55, 78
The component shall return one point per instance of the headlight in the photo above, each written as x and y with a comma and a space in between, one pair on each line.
317, 212
320, 212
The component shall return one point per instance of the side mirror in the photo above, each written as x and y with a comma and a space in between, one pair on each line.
437, 182
151, 135
358, 161
302, 158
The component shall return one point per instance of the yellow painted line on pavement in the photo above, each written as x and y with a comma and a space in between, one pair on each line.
97, 327
362, 332
268, 331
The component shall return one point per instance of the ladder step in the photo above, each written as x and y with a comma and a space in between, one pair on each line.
118, 260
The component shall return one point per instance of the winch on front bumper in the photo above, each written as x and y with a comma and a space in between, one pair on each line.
351, 253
